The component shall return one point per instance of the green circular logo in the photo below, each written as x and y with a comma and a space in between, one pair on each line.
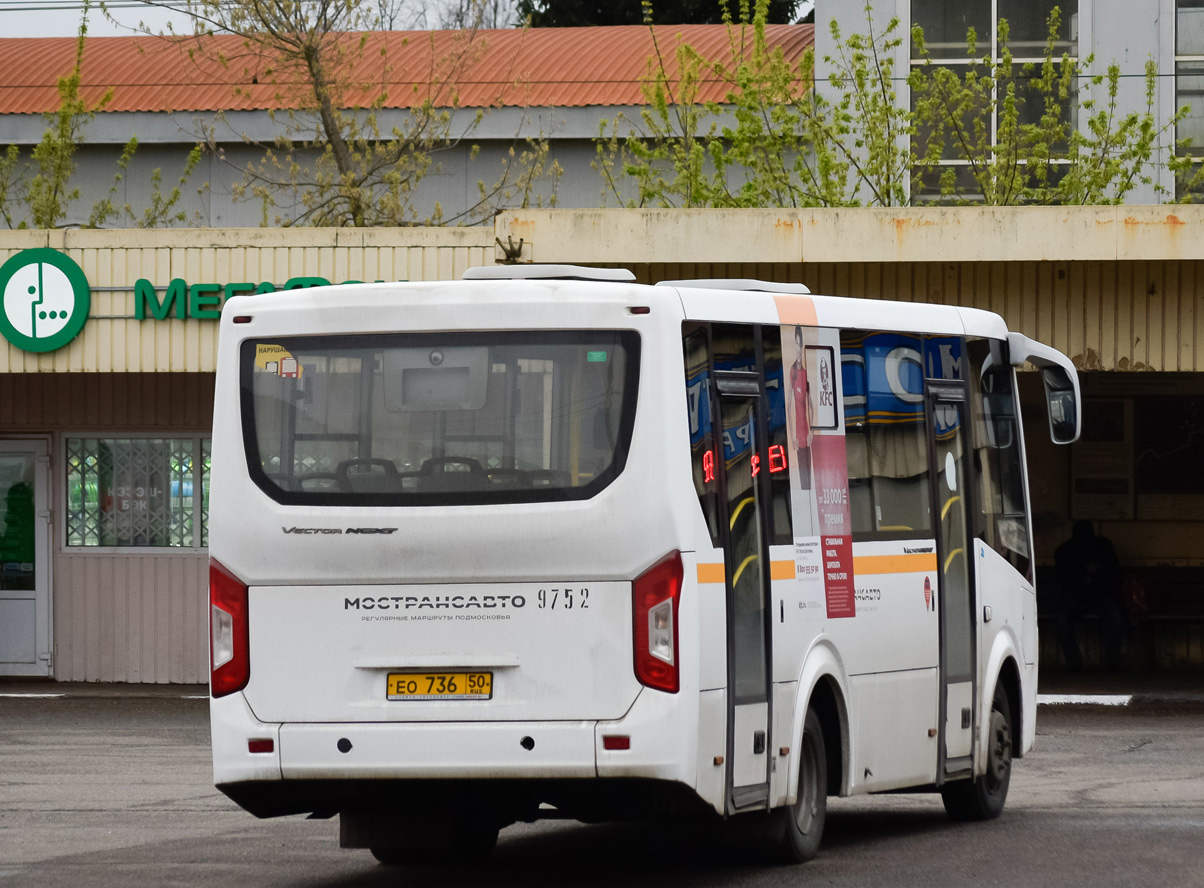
45, 300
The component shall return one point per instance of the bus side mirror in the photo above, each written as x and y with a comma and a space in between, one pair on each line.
1062, 402
1061, 382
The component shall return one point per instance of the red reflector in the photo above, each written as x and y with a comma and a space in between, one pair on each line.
639, 309
242, 319
261, 746
615, 741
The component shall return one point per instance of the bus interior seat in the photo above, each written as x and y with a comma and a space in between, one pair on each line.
318, 481
443, 473
368, 475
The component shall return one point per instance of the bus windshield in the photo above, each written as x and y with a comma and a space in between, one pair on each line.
436, 418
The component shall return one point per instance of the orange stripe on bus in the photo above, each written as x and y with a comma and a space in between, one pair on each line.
888, 564
781, 570
714, 573
796, 309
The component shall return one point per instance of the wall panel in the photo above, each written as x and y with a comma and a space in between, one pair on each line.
136, 618
41, 402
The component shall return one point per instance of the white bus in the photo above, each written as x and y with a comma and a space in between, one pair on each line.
546, 542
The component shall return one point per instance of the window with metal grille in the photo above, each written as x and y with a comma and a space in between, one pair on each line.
946, 29
1189, 91
137, 492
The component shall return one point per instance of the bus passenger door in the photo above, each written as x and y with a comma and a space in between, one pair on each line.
947, 417
746, 560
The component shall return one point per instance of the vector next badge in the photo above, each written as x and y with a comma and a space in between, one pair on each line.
45, 300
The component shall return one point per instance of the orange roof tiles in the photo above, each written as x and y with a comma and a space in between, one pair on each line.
560, 67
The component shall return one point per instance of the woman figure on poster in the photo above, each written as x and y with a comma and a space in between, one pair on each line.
802, 411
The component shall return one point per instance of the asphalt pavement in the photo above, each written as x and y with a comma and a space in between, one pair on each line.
1055, 688
105, 789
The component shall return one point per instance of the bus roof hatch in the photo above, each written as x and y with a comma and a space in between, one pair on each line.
739, 284
547, 272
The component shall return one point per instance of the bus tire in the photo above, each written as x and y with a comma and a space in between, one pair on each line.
803, 822
983, 797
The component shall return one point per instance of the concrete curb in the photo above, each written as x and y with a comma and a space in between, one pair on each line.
1084, 699
95, 690
1148, 700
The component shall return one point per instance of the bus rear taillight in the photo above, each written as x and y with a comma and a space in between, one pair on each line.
655, 594
229, 653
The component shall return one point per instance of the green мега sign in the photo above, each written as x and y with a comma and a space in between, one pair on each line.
46, 298
205, 300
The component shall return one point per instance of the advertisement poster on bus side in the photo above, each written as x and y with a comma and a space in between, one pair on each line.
835, 523
818, 471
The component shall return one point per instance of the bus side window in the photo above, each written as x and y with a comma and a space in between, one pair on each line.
1000, 521
702, 438
886, 439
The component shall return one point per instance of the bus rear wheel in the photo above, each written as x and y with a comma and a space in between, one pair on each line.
983, 797
803, 822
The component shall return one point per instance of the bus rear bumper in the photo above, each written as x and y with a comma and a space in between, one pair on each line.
500, 802
325, 768
437, 750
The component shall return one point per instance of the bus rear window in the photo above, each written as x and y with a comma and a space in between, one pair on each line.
436, 418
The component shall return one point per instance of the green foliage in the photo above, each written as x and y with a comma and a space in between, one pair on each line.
43, 201
988, 131
46, 196
1036, 155
336, 162
162, 209
584, 13
860, 139
10, 185
668, 160
774, 140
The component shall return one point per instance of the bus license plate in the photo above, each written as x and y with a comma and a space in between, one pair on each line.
440, 686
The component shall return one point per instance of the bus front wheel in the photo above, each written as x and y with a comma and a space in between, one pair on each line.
803, 825
983, 797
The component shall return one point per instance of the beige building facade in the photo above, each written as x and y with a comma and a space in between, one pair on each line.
104, 436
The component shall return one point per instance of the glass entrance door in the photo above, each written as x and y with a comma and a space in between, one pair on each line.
24, 556
747, 575
947, 409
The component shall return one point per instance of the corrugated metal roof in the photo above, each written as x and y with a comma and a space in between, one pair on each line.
560, 67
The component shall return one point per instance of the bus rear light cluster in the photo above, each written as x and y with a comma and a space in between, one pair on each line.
229, 651
655, 597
